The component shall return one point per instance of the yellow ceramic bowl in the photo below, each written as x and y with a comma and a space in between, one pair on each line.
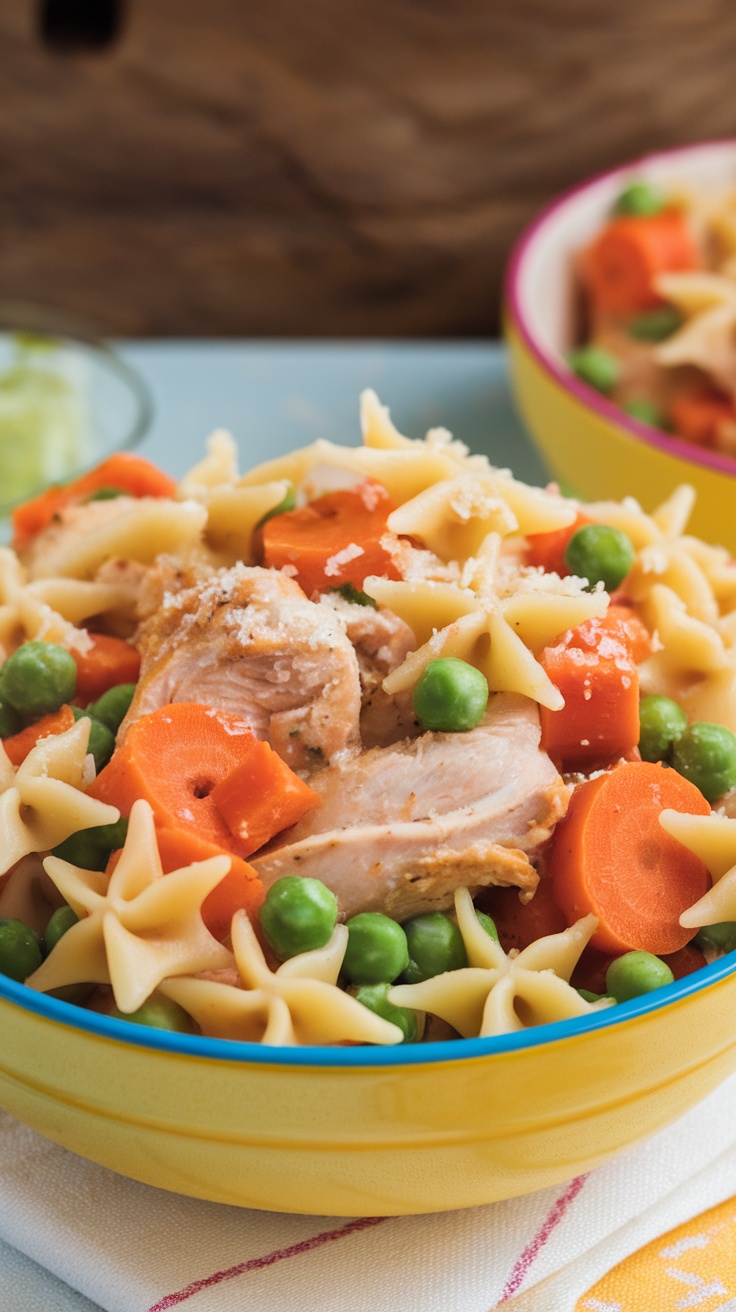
365, 1131
589, 444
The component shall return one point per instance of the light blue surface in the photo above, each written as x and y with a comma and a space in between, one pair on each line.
280, 395
273, 397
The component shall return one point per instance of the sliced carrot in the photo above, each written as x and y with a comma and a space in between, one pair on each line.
334, 540
548, 549
173, 758
520, 924
108, 661
261, 797
240, 889
20, 744
598, 679
698, 414
132, 474
610, 856
629, 252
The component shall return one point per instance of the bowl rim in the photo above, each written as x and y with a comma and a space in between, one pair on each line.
672, 446
238, 1052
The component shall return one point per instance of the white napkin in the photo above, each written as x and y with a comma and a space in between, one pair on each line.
130, 1248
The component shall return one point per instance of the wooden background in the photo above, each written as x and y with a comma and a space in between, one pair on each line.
328, 167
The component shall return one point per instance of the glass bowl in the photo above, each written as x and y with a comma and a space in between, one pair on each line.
67, 400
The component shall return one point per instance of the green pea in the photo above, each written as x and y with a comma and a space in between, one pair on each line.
661, 724
107, 494
639, 198
646, 413
706, 755
488, 924
375, 998
435, 945
20, 950
62, 920
450, 696
159, 1013
298, 915
10, 721
600, 554
377, 950
90, 848
717, 938
288, 503
655, 325
595, 366
112, 707
38, 678
636, 973
354, 595
101, 742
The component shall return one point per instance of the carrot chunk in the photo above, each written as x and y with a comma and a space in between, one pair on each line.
548, 549
698, 414
520, 924
610, 856
174, 758
132, 474
108, 662
593, 668
241, 889
334, 540
629, 252
20, 744
261, 797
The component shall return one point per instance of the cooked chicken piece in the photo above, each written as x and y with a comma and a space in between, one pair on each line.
246, 640
401, 827
381, 640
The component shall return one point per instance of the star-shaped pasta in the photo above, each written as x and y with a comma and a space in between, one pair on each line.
712, 838
299, 1003
707, 339
688, 646
495, 636
453, 517
49, 610
136, 927
43, 802
499, 993
139, 531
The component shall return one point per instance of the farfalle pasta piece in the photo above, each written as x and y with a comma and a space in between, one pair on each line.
300, 1002
42, 802
25, 614
499, 993
137, 926
712, 838
707, 339
485, 633
219, 466
141, 532
688, 645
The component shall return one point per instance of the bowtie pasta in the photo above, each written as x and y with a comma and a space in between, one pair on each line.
370, 744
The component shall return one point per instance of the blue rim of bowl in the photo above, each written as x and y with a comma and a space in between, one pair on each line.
419, 1054
672, 446
131, 378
